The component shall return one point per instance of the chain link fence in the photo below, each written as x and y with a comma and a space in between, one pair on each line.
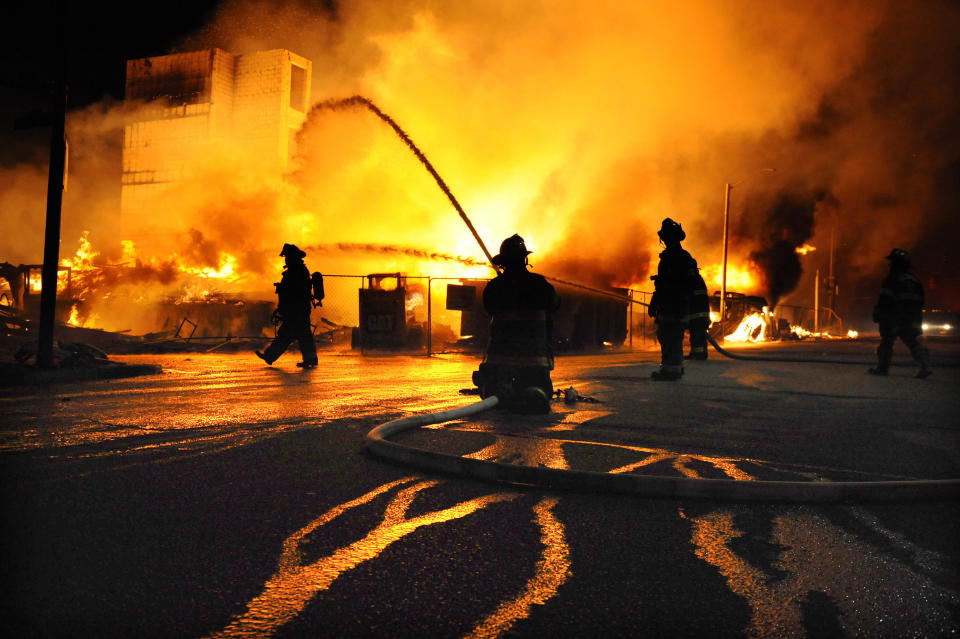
424, 314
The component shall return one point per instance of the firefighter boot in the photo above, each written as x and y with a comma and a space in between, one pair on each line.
665, 376
263, 357
533, 400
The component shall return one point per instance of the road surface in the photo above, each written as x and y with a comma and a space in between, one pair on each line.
225, 498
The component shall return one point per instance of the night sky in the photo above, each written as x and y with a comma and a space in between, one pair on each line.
98, 38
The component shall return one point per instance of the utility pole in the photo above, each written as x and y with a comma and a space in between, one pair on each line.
831, 282
51, 238
816, 302
723, 280
726, 225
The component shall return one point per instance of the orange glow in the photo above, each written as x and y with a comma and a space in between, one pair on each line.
806, 248
294, 584
551, 572
742, 279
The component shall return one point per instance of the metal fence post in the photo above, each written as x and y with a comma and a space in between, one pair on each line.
429, 316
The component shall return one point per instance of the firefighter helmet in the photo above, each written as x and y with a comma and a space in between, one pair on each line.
899, 257
512, 250
671, 231
291, 250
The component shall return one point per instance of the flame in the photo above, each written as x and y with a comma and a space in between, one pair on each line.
226, 268
752, 328
743, 278
82, 260
806, 248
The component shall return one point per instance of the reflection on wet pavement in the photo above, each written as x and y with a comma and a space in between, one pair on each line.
875, 593
552, 571
294, 584
205, 404
211, 403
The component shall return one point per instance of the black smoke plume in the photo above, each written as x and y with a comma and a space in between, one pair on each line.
787, 225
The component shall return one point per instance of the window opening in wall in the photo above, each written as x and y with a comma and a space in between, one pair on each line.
298, 88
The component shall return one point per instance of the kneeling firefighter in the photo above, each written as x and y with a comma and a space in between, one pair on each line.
519, 356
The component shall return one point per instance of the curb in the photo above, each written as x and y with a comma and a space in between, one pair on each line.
17, 375
659, 486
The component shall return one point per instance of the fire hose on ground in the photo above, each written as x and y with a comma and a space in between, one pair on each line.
798, 360
378, 443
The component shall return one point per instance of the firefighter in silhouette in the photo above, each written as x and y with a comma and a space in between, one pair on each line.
671, 303
899, 312
698, 320
519, 356
295, 299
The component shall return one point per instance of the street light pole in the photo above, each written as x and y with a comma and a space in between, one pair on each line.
51, 238
726, 227
723, 281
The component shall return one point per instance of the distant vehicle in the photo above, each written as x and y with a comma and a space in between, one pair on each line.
937, 323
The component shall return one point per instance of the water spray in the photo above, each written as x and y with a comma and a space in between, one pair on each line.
391, 249
360, 101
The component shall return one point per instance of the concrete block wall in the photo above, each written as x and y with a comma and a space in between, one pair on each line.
201, 97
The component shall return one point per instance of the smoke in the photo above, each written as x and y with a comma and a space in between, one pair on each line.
785, 226
580, 126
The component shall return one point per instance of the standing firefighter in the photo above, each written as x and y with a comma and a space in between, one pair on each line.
519, 356
295, 299
699, 319
670, 305
899, 311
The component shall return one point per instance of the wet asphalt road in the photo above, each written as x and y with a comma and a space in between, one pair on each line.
225, 498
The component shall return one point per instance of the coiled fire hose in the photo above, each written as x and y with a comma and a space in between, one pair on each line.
378, 443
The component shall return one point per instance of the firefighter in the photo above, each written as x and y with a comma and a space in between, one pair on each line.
295, 298
671, 303
899, 312
699, 319
519, 357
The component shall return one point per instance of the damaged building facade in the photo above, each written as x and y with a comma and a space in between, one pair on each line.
184, 106
188, 101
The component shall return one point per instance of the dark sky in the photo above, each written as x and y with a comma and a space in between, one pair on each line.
97, 39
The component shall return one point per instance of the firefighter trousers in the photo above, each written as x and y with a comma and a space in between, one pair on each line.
698, 339
670, 336
910, 337
288, 331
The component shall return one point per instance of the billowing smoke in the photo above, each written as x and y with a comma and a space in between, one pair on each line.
580, 126
784, 226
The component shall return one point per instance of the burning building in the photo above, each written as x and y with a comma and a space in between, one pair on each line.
193, 102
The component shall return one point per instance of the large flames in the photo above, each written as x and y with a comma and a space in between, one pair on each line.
581, 142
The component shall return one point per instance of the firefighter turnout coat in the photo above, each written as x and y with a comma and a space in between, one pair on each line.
521, 305
674, 285
900, 305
